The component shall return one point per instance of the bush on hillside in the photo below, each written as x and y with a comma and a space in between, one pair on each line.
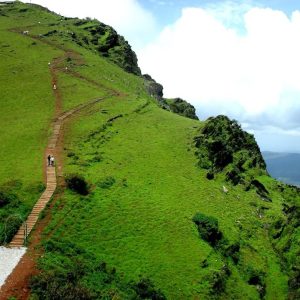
7, 197
145, 290
4, 199
261, 190
77, 183
219, 153
285, 239
182, 107
208, 228
9, 229
234, 176
210, 175
231, 251
107, 182
257, 278
218, 280
68, 277
12, 209
58, 285
294, 283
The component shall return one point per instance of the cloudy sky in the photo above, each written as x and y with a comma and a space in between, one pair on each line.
240, 58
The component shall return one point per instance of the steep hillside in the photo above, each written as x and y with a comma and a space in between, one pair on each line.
151, 204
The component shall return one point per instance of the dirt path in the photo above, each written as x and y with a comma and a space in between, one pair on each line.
17, 284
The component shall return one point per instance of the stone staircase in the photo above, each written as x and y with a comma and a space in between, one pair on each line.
27, 226
25, 229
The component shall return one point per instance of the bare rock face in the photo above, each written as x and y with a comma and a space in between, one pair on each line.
176, 105
154, 88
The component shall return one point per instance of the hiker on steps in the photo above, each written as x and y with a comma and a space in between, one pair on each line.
52, 160
49, 160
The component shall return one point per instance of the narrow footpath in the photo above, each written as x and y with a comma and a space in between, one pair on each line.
17, 283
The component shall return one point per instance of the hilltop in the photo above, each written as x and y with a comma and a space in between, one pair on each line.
152, 203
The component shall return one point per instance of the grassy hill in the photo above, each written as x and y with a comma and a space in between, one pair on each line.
155, 205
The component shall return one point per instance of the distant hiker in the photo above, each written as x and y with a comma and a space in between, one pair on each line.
49, 160
52, 160
54, 86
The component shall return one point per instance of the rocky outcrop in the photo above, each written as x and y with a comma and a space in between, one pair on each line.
176, 105
154, 89
222, 144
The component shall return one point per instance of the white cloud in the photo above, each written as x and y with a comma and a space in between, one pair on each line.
128, 17
252, 75
231, 57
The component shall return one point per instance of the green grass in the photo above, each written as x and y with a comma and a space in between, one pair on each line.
145, 183
142, 224
26, 107
76, 91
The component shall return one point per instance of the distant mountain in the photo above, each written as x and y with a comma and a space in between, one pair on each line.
284, 166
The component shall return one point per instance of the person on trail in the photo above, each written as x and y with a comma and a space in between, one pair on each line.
49, 159
52, 160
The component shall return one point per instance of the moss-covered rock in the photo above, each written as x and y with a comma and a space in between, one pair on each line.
223, 144
107, 42
182, 107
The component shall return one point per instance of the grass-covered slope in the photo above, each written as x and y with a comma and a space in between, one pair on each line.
138, 218
27, 106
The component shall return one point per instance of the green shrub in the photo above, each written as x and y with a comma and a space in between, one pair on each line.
107, 182
218, 280
77, 183
9, 229
52, 285
210, 175
234, 176
261, 190
70, 154
96, 158
208, 228
37, 187
256, 278
146, 290
220, 153
294, 283
7, 197
232, 251
4, 199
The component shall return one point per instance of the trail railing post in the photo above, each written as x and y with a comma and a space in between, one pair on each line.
25, 233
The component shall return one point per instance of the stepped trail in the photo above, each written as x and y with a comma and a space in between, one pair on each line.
17, 283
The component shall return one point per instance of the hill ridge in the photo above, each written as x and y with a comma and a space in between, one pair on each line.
138, 217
